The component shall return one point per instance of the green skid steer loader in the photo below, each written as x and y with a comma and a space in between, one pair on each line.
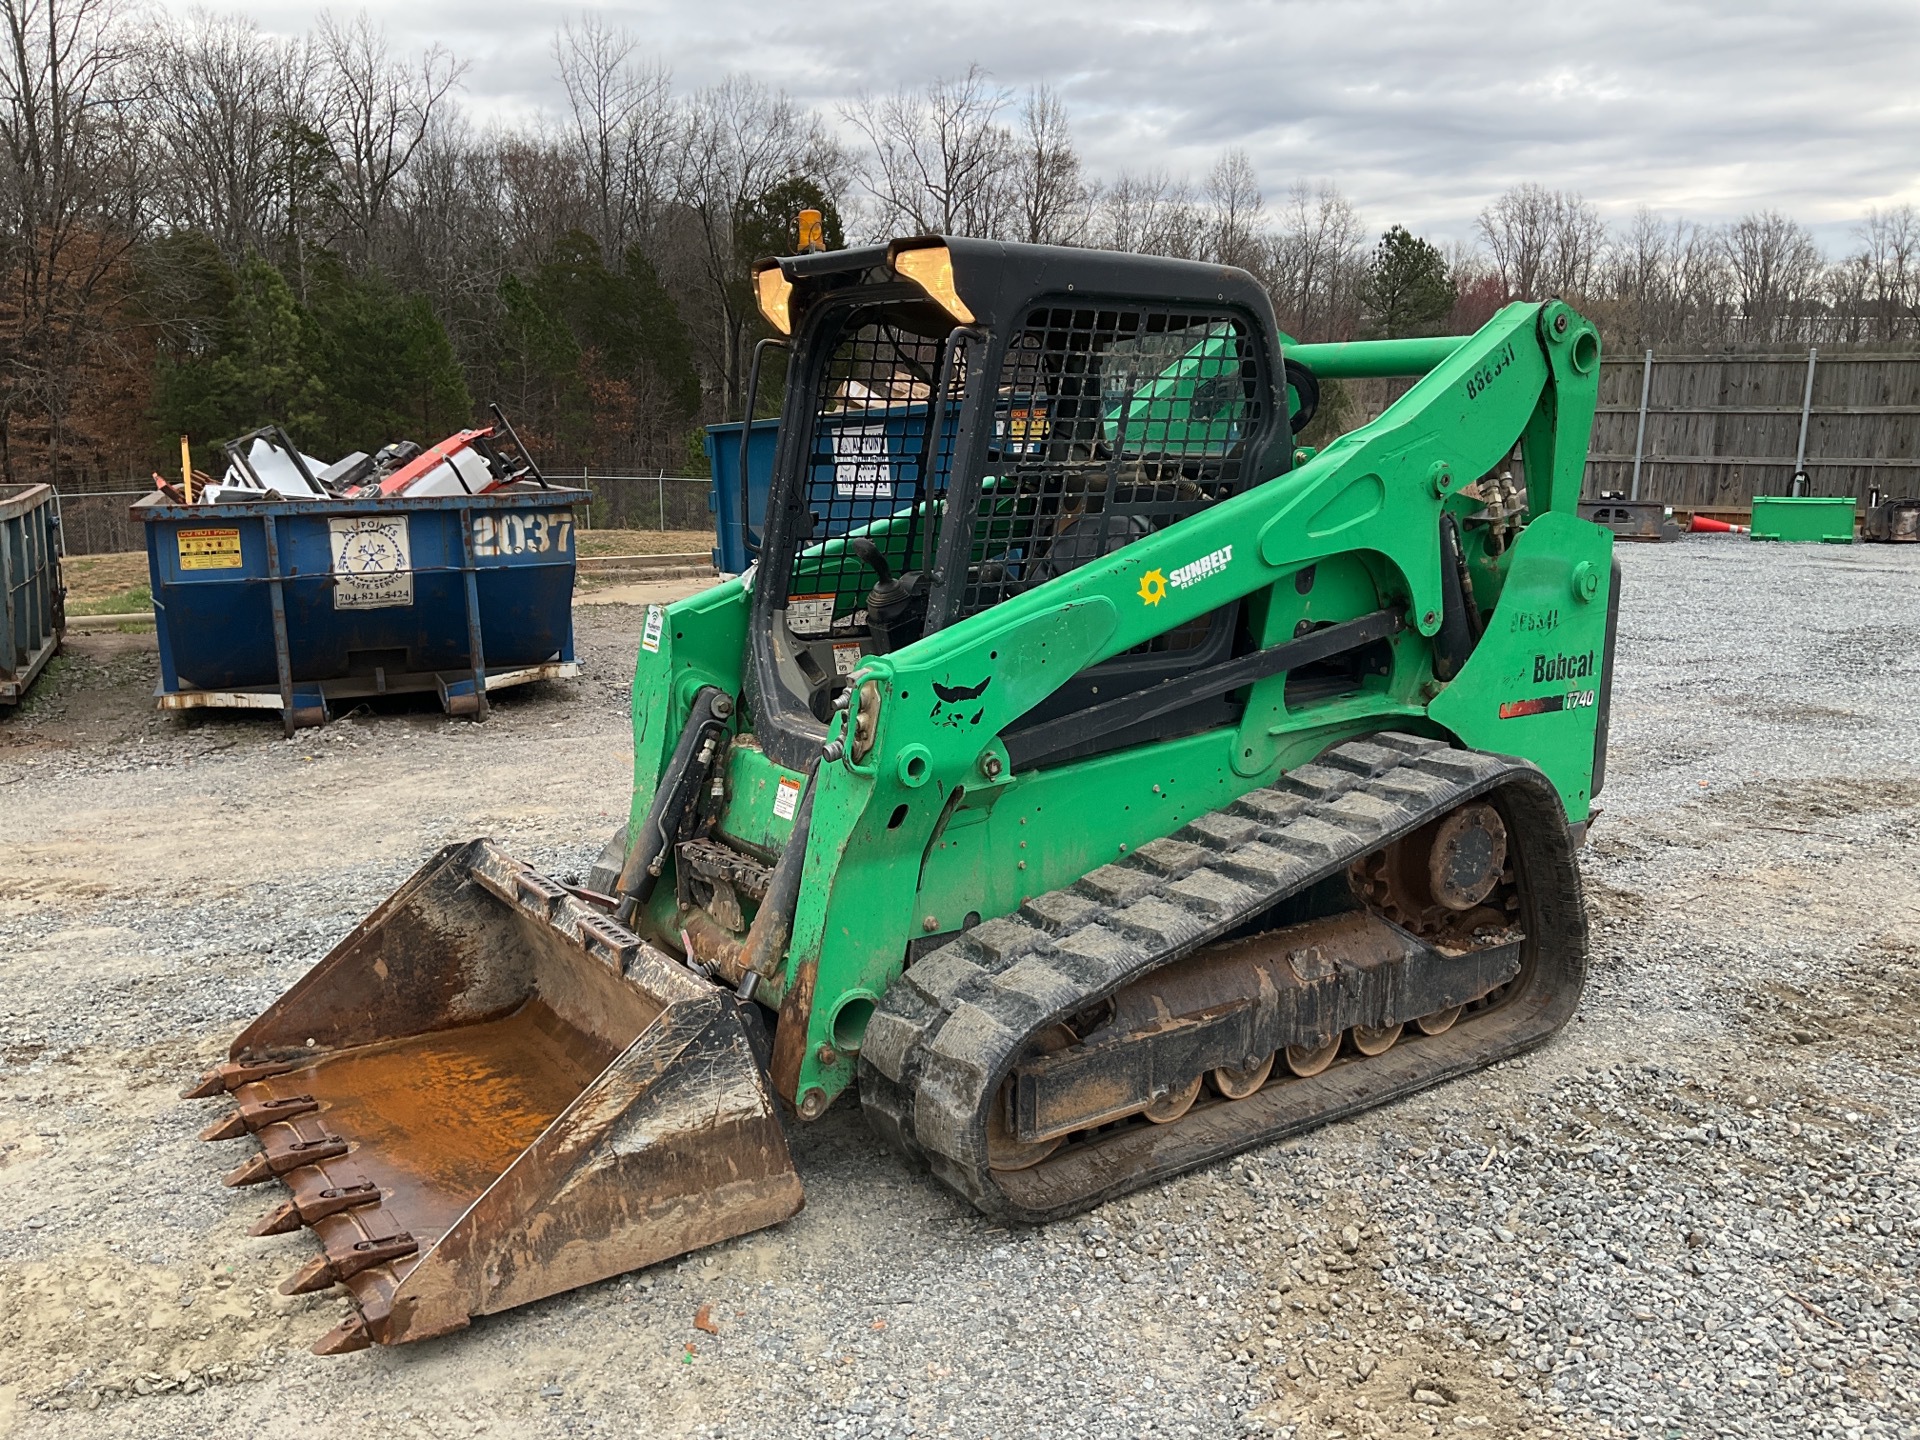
1091, 778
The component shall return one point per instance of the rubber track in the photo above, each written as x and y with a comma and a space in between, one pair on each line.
950, 1028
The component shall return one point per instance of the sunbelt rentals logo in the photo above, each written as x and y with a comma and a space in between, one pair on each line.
1155, 583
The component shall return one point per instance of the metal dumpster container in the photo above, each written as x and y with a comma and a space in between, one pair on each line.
865, 466
731, 526
32, 599
292, 605
1823, 518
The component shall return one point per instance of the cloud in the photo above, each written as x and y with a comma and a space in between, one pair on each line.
1420, 110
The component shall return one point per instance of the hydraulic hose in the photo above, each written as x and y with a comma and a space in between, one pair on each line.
679, 786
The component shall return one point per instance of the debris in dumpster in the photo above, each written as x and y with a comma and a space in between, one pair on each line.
292, 583
265, 464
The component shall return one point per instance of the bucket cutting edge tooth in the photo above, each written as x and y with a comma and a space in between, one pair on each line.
254, 1170
343, 1339
316, 1274
283, 1148
259, 1108
232, 1074
339, 1263
280, 1220
230, 1126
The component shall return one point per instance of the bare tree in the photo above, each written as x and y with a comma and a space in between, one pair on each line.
377, 112
222, 94
1314, 263
1235, 211
73, 198
1543, 242
941, 158
1052, 197
1774, 269
623, 124
742, 139
1151, 213
1888, 263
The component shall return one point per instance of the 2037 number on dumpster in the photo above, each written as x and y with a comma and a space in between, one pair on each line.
510, 534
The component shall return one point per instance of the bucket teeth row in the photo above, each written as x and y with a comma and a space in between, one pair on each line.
360, 1243
232, 1074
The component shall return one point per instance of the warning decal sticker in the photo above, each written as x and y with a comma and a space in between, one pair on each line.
209, 549
810, 614
786, 797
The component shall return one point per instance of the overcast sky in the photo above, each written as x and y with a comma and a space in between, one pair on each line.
1420, 110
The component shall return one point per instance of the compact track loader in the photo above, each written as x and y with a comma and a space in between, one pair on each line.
1095, 780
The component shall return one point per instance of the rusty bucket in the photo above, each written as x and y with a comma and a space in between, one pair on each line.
489, 1093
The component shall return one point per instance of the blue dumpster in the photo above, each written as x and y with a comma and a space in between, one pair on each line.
865, 466
32, 601
731, 544
291, 605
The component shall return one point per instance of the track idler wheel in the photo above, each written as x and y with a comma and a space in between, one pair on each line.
1175, 1103
1309, 1060
1438, 881
1238, 1084
1375, 1039
1005, 1149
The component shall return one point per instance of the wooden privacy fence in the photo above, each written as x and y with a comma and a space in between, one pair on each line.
1713, 431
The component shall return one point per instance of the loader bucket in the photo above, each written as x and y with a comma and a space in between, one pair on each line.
489, 1093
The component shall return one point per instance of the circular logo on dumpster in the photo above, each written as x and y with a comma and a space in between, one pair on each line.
371, 552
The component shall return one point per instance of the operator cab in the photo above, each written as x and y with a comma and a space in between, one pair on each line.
966, 420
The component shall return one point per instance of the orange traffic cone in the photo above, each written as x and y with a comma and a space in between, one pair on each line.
1701, 525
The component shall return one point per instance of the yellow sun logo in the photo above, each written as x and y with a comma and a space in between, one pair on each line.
1153, 587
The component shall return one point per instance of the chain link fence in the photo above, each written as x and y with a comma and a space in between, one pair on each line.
643, 502
96, 522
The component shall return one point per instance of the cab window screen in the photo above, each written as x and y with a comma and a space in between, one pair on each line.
878, 454
1109, 424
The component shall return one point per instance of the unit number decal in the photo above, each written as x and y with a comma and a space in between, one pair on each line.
516, 534
1547, 704
1485, 375
655, 626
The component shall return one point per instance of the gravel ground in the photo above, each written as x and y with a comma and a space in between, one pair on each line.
1693, 1214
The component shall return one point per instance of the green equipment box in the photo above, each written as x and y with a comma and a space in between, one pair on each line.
1828, 519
